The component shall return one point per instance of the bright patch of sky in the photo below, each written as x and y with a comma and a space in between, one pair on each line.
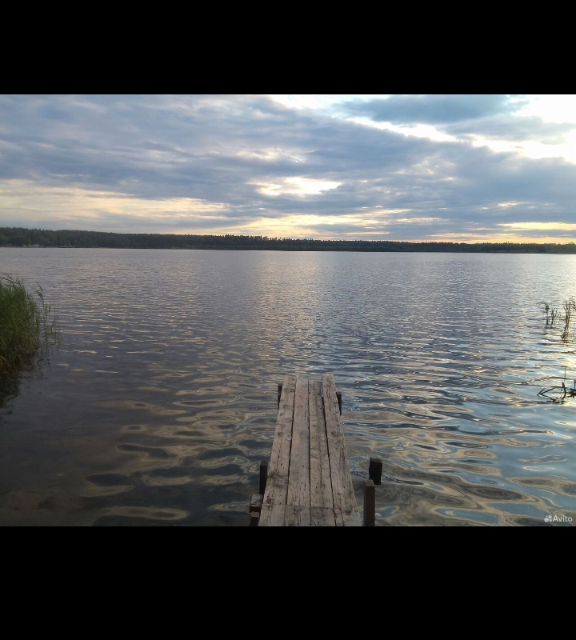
296, 185
550, 108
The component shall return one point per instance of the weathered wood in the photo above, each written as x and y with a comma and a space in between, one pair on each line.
272, 515
322, 517
320, 482
347, 517
369, 504
297, 516
254, 518
342, 489
256, 502
278, 469
308, 481
375, 470
263, 476
299, 479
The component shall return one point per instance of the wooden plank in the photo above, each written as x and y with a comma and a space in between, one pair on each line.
278, 469
342, 490
322, 517
320, 482
299, 479
272, 515
347, 517
297, 516
279, 466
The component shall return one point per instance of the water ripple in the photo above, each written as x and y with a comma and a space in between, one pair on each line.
162, 400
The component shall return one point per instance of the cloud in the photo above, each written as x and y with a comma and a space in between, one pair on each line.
513, 129
539, 226
249, 164
433, 109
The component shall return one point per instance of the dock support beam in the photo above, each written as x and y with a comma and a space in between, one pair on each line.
279, 394
263, 476
375, 470
256, 503
254, 518
369, 504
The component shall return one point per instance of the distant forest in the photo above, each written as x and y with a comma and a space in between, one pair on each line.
19, 237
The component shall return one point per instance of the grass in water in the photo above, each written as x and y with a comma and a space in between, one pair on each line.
558, 393
28, 328
552, 315
569, 307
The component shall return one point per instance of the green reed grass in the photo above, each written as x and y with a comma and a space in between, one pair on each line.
28, 327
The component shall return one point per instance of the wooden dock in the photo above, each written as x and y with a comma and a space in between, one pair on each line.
308, 480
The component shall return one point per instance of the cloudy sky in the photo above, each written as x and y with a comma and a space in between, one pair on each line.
466, 168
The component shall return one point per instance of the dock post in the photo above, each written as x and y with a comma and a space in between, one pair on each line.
256, 503
279, 394
375, 470
263, 476
254, 519
339, 396
369, 504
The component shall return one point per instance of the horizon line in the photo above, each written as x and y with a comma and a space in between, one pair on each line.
287, 238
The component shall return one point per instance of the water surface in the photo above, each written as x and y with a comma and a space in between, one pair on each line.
161, 402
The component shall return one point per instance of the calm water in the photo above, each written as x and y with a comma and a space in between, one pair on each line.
161, 401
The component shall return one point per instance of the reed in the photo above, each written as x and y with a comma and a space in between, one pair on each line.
569, 307
552, 315
28, 327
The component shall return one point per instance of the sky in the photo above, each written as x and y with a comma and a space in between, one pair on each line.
464, 168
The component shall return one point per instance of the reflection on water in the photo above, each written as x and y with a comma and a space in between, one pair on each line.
161, 401
9, 387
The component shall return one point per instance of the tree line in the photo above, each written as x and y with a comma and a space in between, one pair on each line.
21, 237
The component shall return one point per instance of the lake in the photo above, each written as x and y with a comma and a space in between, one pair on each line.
161, 402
